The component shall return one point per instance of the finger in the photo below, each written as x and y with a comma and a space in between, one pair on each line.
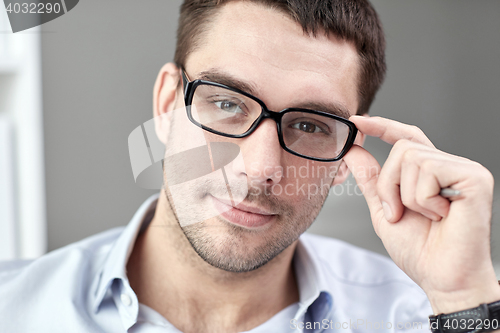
399, 193
389, 130
427, 194
389, 182
473, 181
365, 169
443, 170
410, 173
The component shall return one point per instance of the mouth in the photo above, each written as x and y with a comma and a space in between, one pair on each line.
243, 215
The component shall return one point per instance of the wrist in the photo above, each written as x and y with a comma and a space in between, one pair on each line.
448, 302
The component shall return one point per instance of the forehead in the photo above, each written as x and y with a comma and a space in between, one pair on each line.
268, 49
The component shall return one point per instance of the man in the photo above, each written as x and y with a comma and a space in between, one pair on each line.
234, 261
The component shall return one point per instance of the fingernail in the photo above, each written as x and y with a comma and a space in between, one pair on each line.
387, 211
357, 116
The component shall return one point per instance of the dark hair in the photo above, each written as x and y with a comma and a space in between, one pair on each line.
351, 20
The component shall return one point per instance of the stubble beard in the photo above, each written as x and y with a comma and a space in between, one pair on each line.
226, 246
232, 248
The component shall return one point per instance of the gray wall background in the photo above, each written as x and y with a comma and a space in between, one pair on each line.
101, 59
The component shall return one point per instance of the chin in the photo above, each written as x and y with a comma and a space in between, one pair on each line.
237, 249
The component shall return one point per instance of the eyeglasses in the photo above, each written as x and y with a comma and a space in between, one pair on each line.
233, 113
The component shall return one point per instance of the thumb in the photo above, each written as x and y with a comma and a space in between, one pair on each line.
365, 169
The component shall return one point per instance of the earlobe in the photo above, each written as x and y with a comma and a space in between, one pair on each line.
165, 98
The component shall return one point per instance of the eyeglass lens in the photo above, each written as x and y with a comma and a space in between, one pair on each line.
232, 113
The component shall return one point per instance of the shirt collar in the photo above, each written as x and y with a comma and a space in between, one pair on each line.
315, 301
114, 266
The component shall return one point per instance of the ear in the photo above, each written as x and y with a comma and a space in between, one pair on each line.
165, 99
343, 171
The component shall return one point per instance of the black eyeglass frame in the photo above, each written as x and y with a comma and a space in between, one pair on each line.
190, 88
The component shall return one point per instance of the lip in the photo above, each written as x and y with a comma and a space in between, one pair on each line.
244, 207
242, 215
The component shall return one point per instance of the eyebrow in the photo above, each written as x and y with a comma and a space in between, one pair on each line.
332, 108
215, 75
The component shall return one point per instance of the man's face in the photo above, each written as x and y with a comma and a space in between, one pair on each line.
267, 51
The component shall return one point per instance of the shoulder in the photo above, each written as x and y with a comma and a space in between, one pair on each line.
365, 284
82, 250
65, 272
347, 263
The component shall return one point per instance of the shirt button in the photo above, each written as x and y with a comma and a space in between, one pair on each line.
126, 299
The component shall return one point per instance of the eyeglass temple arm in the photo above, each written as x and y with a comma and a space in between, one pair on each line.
185, 80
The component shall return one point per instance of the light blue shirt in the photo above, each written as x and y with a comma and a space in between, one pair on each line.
83, 287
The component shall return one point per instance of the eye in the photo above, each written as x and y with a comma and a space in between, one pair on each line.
229, 106
308, 127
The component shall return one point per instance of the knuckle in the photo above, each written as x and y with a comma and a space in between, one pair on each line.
483, 174
416, 132
421, 201
401, 144
410, 155
408, 198
409, 202
418, 136
428, 165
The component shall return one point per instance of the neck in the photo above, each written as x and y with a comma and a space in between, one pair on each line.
169, 276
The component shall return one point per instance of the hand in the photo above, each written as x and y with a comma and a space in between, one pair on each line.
443, 245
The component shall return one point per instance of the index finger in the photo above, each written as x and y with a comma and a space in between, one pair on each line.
389, 130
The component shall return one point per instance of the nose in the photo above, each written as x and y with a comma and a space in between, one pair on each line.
262, 156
